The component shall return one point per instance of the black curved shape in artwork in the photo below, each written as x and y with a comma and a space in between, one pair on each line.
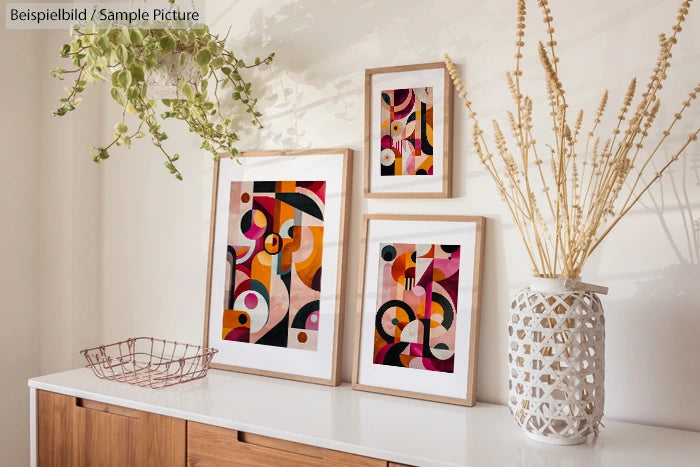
231, 251
447, 308
302, 203
383, 309
278, 335
425, 146
392, 358
299, 321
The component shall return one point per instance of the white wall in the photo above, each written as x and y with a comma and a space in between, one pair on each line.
124, 245
69, 216
50, 236
19, 239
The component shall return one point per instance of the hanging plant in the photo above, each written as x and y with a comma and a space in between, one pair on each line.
204, 74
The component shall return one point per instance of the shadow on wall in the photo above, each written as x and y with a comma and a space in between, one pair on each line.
657, 327
325, 77
657, 337
682, 183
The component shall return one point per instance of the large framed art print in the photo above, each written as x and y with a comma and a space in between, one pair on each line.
418, 318
408, 131
276, 252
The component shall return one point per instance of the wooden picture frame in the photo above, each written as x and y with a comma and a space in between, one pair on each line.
403, 346
408, 132
276, 255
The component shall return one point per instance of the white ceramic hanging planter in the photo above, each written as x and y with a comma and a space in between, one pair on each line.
164, 78
556, 361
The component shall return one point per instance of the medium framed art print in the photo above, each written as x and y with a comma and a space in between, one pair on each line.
276, 252
418, 319
408, 131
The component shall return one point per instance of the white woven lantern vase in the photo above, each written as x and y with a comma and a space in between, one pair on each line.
556, 361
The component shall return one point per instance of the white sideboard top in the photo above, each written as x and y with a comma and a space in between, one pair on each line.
402, 430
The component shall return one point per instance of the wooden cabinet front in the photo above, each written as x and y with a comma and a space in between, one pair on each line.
211, 446
78, 432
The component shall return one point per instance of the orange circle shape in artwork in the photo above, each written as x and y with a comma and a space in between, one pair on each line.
273, 243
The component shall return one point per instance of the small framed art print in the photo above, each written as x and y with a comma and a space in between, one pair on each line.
408, 131
418, 319
275, 286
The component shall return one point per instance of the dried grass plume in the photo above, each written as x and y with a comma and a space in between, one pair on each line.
567, 198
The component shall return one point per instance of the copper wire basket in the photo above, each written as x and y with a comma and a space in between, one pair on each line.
146, 361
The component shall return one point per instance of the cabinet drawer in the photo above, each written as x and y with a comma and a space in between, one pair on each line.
211, 446
79, 432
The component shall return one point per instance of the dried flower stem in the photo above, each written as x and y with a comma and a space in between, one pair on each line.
586, 193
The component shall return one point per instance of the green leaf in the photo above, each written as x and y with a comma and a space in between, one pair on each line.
235, 76
203, 85
183, 58
65, 49
166, 44
121, 128
125, 36
137, 72
103, 154
226, 70
150, 60
187, 91
115, 78
122, 53
202, 57
117, 96
136, 36
124, 78
217, 62
104, 44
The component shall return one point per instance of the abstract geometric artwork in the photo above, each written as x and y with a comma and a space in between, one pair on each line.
275, 283
407, 131
273, 263
416, 306
418, 319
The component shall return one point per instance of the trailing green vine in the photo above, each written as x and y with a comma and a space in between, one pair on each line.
124, 57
